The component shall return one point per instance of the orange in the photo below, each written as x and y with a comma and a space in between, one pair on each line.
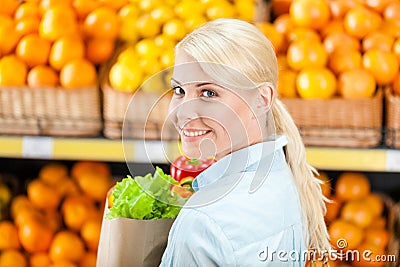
27, 25
356, 83
392, 10
33, 49
396, 85
390, 27
13, 71
277, 39
94, 185
302, 34
84, 7
42, 76
322, 263
377, 237
42, 195
45, 5
332, 27
83, 167
368, 260
58, 21
316, 82
326, 186
99, 50
287, 83
67, 246
383, 65
174, 29
377, 5
27, 10
35, 236
283, 23
396, 48
163, 13
89, 259
114, 4
377, 40
63, 263
8, 236
280, 7
64, 49
339, 8
12, 258
78, 73
77, 210
8, 7
102, 22
28, 215
52, 173
19, 203
375, 204
357, 212
352, 185
53, 220
9, 36
332, 209
313, 14
340, 229
303, 53
378, 223
282, 62
40, 259
67, 186
90, 233
359, 21
342, 60
340, 40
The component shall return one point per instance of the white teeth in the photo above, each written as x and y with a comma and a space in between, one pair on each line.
194, 133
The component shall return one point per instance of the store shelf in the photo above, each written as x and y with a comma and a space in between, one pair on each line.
138, 151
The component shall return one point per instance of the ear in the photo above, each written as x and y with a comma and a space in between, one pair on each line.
266, 96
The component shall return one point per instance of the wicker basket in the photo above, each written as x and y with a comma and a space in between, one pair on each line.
393, 226
50, 111
338, 122
392, 119
146, 120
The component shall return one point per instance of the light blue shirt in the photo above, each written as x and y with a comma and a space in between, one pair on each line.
245, 212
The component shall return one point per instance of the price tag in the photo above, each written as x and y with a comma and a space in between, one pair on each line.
149, 152
393, 160
37, 147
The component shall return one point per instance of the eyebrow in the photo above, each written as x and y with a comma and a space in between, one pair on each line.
197, 85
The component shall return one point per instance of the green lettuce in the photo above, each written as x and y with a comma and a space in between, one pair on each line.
145, 198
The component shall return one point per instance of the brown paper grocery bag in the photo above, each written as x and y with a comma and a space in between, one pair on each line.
128, 242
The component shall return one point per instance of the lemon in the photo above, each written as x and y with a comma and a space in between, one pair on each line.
167, 58
146, 48
194, 22
154, 83
162, 14
148, 5
125, 78
175, 29
150, 66
147, 26
220, 9
127, 31
189, 8
128, 57
164, 42
245, 9
128, 11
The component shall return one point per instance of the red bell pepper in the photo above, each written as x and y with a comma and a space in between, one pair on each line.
183, 167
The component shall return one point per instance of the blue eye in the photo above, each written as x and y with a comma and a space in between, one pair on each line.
178, 90
209, 93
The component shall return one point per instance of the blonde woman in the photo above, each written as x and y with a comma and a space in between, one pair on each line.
259, 204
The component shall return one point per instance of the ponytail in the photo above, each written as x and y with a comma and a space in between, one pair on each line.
308, 186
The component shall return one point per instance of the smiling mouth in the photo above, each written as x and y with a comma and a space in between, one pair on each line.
195, 133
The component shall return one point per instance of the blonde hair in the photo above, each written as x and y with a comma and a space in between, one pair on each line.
242, 46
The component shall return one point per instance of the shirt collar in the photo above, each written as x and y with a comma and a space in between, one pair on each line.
245, 159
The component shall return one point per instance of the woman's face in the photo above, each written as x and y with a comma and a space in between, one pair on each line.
212, 120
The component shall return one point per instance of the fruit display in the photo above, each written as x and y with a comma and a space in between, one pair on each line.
355, 218
52, 43
151, 28
58, 221
336, 48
